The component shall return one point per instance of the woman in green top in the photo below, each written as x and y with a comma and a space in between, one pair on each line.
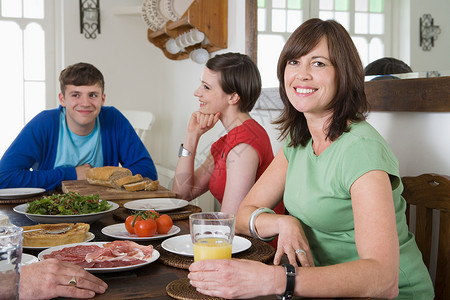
340, 182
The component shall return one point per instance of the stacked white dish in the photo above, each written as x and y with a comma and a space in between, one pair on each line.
156, 13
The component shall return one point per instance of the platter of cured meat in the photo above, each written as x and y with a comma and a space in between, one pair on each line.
103, 257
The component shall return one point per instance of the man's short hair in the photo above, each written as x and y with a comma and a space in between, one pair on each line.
81, 74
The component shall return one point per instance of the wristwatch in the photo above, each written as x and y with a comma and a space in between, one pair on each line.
182, 152
290, 282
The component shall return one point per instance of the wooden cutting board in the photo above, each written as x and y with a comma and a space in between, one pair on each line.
106, 193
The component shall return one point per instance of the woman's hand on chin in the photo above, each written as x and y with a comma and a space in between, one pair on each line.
201, 122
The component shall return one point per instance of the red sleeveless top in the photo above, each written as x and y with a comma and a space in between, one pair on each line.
251, 133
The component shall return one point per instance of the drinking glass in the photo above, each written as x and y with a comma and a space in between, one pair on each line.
10, 258
212, 235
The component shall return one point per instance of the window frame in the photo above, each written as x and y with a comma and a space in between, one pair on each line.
251, 26
52, 54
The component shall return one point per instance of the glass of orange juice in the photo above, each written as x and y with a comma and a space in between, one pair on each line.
212, 235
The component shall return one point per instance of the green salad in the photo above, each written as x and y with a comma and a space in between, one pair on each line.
68, 204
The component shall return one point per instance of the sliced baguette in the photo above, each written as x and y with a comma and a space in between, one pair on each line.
76, 234
152, 185
137, 186
128, 179
106, 176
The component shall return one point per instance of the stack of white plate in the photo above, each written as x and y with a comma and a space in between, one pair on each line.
151, 15
156, 13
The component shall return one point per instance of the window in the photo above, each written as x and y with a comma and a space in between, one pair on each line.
365, 20
24, 32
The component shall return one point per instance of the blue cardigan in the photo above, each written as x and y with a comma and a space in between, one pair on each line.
35, 148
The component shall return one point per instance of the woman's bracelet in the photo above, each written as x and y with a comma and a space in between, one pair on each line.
251, 223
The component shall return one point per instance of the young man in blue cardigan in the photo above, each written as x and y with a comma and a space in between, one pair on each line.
64, 143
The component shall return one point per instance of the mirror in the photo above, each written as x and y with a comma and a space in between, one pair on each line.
421, 92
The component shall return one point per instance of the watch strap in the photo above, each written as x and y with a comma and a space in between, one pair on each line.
290, 282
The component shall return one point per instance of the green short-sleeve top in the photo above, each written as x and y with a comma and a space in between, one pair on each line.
317, 192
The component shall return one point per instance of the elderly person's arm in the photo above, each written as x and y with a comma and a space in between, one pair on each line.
50, 279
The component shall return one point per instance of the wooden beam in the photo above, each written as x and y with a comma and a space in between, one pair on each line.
251, 29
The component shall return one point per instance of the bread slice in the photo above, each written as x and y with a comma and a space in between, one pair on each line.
137, 186
152, 185
106, 176
128, 179
76, 234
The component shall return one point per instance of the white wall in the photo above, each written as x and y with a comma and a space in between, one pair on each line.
139, 76
421, 141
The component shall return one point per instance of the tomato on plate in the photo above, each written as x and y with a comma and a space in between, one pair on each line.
164, 224
130, 221
145, 228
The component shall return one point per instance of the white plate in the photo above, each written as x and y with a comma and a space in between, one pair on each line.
18, 193
119, 231
158, 204
28, 259
182, 245
53, 219
155, 256
89, 237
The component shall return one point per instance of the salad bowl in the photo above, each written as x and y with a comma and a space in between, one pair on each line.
53, 219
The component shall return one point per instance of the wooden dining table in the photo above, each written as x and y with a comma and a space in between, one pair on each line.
147, 282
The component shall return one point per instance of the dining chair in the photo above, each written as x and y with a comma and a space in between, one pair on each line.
430, 195
141, 121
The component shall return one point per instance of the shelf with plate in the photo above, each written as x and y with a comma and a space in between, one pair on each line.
207, 16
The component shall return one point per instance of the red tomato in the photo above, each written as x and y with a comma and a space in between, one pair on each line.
145, 228
152, 214
129, 223
164, 224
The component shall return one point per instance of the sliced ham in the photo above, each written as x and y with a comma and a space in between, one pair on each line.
120, 250
111, 255
73, 254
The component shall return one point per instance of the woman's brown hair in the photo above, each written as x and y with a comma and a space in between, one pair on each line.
238, 74
350, 101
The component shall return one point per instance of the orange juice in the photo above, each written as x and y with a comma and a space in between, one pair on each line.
212, 248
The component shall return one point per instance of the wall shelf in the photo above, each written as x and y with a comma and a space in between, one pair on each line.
208, 16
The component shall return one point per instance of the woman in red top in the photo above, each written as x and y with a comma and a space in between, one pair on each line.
230, 86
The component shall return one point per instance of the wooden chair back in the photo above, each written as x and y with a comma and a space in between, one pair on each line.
429, 192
